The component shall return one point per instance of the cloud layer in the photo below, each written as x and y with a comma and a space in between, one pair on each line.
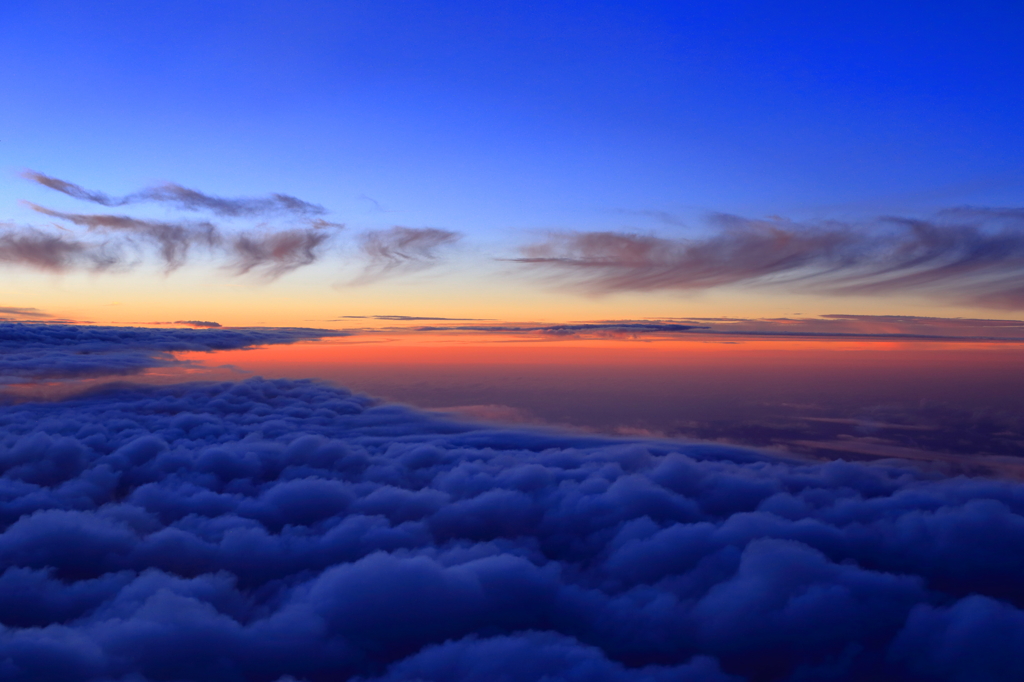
31, 352
274, 528
966, 254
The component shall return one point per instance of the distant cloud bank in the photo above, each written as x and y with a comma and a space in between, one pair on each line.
282, 530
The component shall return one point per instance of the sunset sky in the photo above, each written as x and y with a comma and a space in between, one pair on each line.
475, 340
800, 152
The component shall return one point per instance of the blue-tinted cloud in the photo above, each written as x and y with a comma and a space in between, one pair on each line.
50, 351
269, 528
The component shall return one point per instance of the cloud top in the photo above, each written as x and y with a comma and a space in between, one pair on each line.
275, 528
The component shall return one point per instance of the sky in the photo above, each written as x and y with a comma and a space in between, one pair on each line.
457, 341
513, 126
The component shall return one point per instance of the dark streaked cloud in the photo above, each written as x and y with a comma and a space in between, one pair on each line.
598, 328
35, 248
174, 240
403, 249
200, 323
967, 254
30, 352
186, 199
267, 529
837, 326
276, 253
258, 248
23, 312
882, 326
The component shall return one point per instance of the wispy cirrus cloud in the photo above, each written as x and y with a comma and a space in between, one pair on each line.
173, 239
403, 249
276, 253
186, 199
35, 248
258, 248
966, 254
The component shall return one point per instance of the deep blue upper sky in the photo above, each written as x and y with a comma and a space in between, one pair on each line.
478, 116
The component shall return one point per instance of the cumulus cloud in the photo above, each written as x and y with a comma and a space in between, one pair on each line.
31, 352
186, 199
267, 529
403, 249
966, 254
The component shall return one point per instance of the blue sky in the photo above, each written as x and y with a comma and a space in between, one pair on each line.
478, 116
500, 120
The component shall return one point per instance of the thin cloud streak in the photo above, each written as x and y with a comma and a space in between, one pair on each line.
186, 199
966, 254
833, 326
24, 312
205, 324
412, 318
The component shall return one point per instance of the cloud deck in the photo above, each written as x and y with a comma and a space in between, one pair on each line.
265, 529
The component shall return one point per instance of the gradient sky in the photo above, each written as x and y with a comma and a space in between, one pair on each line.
502, 122
493, 339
